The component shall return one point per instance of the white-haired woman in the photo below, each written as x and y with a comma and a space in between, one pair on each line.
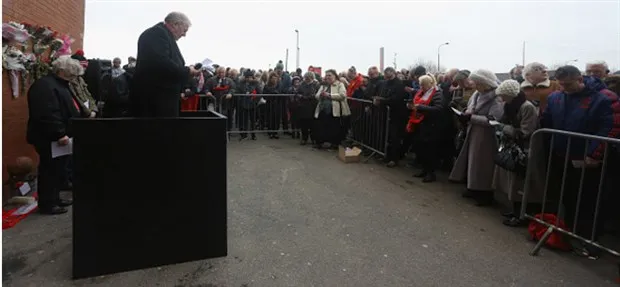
330, 110
423, 126
50, 108
475, 163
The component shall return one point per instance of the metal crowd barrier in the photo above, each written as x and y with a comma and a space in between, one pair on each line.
578, 205
369, 125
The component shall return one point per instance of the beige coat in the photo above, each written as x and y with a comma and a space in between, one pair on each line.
476, 162
506, 181
339, 100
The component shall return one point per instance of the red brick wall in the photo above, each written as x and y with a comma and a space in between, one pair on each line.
64, 16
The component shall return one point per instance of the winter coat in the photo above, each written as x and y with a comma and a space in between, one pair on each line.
160, 75
338, 94
243, 95
476, 162
307, 101
79, 90
511, 183
50, 109
588, 112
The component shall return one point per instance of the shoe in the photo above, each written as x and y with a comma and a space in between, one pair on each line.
508, 214
253, 137
420, 174
303, 142
276, 137
243, 138
485, 199
430, 177
469, 194
65, 202
515, 222
391, 164
54, 210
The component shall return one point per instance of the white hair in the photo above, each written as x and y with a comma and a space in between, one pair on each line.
68, 65
532, 67
597, 63
177, 18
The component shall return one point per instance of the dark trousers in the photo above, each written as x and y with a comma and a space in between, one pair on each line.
327, 129
587, 206
51, 171
395, 139
227, 110
305, 124
426, 153
245, 116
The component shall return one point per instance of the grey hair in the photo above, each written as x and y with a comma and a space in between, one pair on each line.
597, 63
310, 75
534, 66
177, 17
68, 65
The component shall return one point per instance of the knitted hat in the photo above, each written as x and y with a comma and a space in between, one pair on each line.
485, 77
279, 65
462, 74
248, 73
508, 88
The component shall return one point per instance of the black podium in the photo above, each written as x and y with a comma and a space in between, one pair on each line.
148, 192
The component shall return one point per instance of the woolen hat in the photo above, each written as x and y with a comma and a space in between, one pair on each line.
462, 74
486, 77
508, 88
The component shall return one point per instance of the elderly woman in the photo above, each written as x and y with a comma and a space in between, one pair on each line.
307, 103
537, 86
50, 108
519, 121
426, 111
475, 163
330, 110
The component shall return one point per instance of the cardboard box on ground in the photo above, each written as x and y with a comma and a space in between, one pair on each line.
349, 154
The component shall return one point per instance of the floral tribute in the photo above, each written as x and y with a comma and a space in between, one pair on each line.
28, 51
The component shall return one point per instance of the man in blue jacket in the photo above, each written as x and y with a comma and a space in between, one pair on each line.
580, 109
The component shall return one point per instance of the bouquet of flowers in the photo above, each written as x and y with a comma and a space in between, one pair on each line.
15, 32
65, 48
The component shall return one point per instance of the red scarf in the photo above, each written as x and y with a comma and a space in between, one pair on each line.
416, 118
354, 85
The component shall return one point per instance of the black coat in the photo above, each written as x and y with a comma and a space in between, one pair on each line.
393, 94
307, 101
160, 75
429, 128
117, 102
243, 90
50, 108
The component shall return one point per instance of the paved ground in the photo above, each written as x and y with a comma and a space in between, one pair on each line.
299, 217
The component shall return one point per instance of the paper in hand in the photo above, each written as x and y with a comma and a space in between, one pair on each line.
58, 150
457, 112
494, 123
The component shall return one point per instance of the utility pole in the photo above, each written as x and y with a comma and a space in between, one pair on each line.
395, 68
297, 60
381, 50
286, 62
523, 57
439, 57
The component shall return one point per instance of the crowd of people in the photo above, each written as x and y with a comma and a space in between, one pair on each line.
456, 120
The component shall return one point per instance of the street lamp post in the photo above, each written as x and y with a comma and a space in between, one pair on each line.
297, 56
439, 57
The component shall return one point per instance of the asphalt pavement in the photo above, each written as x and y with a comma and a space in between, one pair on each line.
300, 217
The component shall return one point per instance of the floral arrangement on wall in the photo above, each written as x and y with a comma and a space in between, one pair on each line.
28, 51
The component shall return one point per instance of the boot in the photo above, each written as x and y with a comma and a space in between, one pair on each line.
485, 198
430, 177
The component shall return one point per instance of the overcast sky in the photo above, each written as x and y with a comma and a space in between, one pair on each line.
482, 34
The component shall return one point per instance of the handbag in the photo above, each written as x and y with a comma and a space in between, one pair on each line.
511, 157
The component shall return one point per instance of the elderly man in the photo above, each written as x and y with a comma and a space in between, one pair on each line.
161, 73
597, 69
50, 108
116, 68
131, 62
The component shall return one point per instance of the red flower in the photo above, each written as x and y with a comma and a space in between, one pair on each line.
19, 184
